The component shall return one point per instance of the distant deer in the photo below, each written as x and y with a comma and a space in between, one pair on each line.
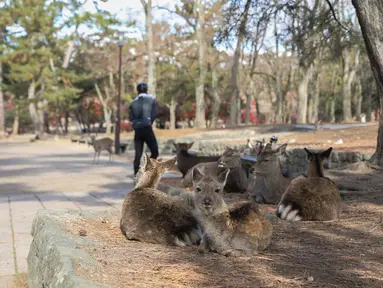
150, 215
238, 178
234, 230
101, 144
186, 161
312, 198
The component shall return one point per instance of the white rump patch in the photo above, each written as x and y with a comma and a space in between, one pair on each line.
297, 218
281, 208
286, 211
179, 242
292, 215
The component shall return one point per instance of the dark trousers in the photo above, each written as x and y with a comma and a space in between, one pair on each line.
141, 136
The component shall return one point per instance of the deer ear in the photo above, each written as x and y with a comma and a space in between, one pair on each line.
309, 154
326, 154
190, 145
282, 149
196, 175
144, 160
170, 163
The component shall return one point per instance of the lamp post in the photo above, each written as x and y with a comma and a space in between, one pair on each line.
118, 112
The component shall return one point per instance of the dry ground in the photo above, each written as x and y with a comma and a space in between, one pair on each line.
362, 139
343, 253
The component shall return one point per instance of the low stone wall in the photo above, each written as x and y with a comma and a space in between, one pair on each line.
296, 160
53, 252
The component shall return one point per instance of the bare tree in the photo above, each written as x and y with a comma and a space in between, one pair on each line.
149, 42
369, 14
200, 120
349, 71
234, 69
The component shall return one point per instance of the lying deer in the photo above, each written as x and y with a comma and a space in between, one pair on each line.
270, 182
152, 216
238, 178
312, 198
234, 230
186, 161
101, 144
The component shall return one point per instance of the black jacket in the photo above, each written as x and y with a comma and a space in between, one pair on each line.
142, 111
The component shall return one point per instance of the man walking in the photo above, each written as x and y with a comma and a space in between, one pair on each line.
142, 113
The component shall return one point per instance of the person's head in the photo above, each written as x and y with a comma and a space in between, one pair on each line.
142, 87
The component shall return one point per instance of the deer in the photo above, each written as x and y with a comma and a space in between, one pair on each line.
238, 229
311, 198
270, 180
238, 178
152, 216
186, 161
101, 144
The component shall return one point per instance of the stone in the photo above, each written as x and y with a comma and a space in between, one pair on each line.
53, 251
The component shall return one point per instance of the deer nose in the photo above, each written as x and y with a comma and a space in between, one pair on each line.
207, 201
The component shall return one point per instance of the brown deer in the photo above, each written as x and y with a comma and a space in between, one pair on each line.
101, 144
230, 230
150, 215
270, 179
238, 178
186, 161
312, 198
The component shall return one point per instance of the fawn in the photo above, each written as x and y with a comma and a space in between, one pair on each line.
101, 144
230, 230
186, 161
311, 198
238, 178
152, 216
271, 181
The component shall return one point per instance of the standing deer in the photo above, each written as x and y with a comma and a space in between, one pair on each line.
230, 230
312, 198
101, 144
153, 216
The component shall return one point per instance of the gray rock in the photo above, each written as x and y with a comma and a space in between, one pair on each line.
53, 251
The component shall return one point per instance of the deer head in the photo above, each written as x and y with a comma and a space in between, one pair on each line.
268, 160
151, 171
182, 146
209, 191
315, 167
231, 158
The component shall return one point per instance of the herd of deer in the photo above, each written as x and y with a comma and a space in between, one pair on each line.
203, 218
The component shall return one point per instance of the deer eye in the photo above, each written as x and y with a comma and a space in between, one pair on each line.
217, 190
198, 189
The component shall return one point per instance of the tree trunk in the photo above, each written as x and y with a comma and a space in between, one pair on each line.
234, 68
216, 100
16, 121
36, 119
359, 99
348, 78
369, 14
105, 107
152, 83
315, 100
302, 95
278, 73
200, 121
66, 122
2, 114
173, 113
